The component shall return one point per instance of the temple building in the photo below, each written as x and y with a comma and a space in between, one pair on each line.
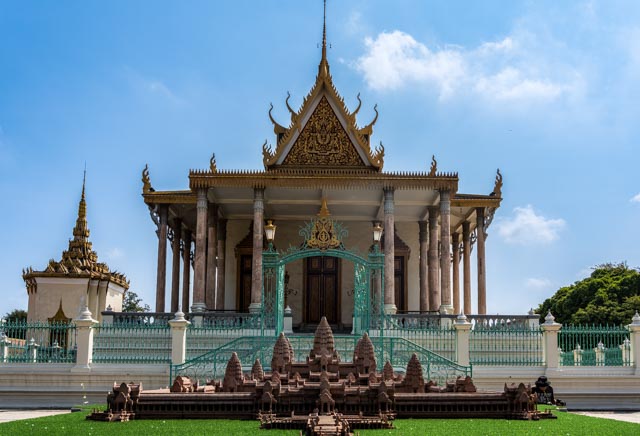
63, 288
323, 166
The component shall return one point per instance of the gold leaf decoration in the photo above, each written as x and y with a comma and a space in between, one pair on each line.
323, 141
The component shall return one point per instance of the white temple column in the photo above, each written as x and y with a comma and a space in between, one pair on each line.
186, 270
212, 248
445, 251
482, 271
201, 252
256, 270
424, 265
466, 266
161, 276
222, 246
455, 273
432, 260
389, 252
175, 265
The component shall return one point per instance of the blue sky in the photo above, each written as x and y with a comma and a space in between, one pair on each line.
546, 91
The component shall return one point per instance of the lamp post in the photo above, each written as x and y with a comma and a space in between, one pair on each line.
270, 233
377, 234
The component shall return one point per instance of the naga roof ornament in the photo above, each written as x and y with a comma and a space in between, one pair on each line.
497, 187
434, 166
323, 131
213, 167
146, 181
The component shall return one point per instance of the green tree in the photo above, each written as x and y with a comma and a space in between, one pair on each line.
610, 295
133, 303
16, 315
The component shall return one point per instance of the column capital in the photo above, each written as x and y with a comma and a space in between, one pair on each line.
201, 199
388, 201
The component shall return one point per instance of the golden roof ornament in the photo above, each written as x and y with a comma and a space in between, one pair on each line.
321, 232
434, 166
212, 163
146, 181
497, 188
324, 209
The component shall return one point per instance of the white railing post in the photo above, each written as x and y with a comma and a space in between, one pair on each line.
600, 354
84, 341
107, 316
463, 330
550, 330
288, 321
533, 320
4, 347
32, 348
179, 339
634, 332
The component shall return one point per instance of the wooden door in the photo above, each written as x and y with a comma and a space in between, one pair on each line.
399, 275
244, 282
322, 289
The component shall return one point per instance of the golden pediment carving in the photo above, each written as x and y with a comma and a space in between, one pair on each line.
323, 141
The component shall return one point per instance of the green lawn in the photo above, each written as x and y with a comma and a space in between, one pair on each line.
566, 424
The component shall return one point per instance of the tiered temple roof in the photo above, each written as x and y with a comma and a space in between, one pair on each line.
79, 260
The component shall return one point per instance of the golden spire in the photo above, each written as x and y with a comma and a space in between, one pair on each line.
323, 68
81, 230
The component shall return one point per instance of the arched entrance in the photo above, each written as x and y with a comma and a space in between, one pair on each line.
368, 292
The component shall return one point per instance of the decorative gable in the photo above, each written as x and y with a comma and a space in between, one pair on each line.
323, 132
323, 141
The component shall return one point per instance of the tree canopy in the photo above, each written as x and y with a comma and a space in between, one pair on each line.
610, 295
16, 315
133, 303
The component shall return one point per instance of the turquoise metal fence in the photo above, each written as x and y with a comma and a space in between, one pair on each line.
132, 343
584, 345
37, 342
218, 331
398, 351
518, 346
438, 339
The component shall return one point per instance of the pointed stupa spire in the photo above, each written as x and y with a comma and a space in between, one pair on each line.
324, 64
81, 230
323, 338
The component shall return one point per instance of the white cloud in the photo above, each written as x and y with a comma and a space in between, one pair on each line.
510, 84
527, 227
395, 58
537, 283
635, 198
152, 86
114, 253
503, 70
354, 22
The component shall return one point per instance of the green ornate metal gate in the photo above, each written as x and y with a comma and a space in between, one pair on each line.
323, 237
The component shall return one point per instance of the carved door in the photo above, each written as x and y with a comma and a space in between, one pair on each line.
322, 290
399, 275
244, 282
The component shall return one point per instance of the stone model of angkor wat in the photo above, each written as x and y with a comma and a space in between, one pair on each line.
321, 394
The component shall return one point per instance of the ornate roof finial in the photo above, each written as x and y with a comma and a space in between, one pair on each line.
497, 188
81, 231
434, 166
146, 180
324, 209
324, 64
212, 163
324, 32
